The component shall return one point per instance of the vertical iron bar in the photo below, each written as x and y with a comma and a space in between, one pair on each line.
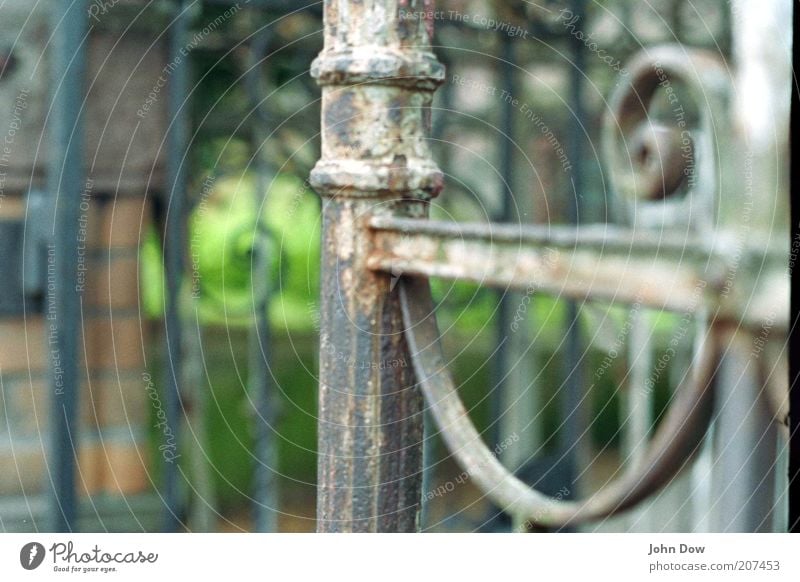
66, 177
701, 476
504, 297
570, 404
203, 515
638, 407
260, 379
377, 76
262, 387
174, 242
502, 361
672, 510
267, 402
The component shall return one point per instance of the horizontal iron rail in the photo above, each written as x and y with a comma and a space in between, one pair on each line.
597, 262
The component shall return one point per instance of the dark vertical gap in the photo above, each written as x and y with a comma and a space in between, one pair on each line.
174, 249
66, 179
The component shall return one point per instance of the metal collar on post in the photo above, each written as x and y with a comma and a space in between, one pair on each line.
378, 76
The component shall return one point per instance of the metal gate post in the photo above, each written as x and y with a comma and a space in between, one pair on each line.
377, 76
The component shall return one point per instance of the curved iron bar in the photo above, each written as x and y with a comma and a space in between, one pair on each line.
674, 443
650, 161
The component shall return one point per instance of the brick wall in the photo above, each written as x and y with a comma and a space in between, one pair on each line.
124, 156
113, 452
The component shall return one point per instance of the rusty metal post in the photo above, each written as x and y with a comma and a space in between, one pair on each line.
377, 76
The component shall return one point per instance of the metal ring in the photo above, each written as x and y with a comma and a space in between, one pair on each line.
675, 441
666, 173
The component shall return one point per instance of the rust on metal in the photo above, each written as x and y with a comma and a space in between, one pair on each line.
676, 440
377, 76
597, 262
379, 344
664, 170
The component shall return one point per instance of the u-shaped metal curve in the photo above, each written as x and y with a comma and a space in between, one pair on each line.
674, 443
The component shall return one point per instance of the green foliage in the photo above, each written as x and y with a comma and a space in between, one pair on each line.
151, 275
292, 214
223, 232
228, 222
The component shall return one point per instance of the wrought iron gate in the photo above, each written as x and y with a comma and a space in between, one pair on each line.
678, 189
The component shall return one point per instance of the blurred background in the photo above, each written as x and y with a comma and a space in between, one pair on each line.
160, 256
